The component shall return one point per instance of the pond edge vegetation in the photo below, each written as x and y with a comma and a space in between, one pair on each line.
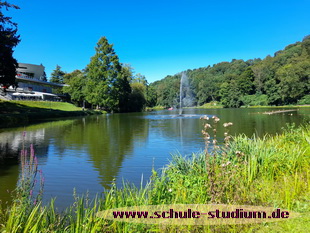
19, 113
268, 171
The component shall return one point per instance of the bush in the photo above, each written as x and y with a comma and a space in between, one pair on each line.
304, 100
255, 100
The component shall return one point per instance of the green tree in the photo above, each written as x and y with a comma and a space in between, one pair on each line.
75, 87
57, 76
139, 78
151, 96
138, 96
8, 40
245, 82
294, 81
125, 90
43, 77
230, 94
107, 83
208, 90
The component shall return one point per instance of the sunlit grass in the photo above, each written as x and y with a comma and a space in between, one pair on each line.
20, 105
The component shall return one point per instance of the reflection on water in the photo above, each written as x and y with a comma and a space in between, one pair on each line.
89, 153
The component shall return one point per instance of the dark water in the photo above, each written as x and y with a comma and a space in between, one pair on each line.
88, 153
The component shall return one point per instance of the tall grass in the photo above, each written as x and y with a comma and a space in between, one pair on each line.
269, 171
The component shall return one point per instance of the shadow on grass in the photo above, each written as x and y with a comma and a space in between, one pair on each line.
14, 114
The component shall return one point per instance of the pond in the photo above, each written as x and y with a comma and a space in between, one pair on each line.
87, 154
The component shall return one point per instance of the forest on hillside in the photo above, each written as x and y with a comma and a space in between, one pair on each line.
281, 79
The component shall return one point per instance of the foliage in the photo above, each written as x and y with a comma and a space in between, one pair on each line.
9, 39
284, 79
76, 82
254, 100
230, 94
43, 77
305, 100
107, 84
137, 97
57, 76
151, 96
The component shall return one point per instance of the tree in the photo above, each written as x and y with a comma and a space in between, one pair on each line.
107, 85
125, 90
230, 94
294, 81
151, 96
57, 76
76, 81
137, 97
8, 40
43, 77
245, 82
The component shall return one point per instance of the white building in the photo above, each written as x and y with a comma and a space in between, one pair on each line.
31, 86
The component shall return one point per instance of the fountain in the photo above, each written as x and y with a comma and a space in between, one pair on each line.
186, 96
186, 99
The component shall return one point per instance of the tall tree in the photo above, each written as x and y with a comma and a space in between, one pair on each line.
8, 40
76, 81
106, 85
57, 76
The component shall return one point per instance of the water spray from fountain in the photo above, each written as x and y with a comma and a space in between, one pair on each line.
186, 96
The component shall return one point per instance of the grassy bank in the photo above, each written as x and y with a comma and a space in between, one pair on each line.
269, 171
154, 108
16, 113
285, 106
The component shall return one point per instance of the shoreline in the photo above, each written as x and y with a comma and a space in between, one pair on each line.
21, 113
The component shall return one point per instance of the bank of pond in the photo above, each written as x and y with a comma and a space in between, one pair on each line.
271, 171
20, 113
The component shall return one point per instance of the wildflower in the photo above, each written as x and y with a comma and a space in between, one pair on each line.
170, 190
239, 153
216, 119
226, 164
207, 126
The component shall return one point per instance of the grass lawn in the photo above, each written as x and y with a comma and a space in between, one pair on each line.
16, 113
34, 106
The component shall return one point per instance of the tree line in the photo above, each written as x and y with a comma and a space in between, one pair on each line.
278, 80
105, 83
8, 41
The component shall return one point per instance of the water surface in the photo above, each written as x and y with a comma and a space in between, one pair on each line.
89, 153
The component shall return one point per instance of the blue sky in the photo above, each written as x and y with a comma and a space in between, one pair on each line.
157, 38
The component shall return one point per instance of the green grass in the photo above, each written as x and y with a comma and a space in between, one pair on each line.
285, 106
155, 108
16, 113
268, 171
34, 106
213, 104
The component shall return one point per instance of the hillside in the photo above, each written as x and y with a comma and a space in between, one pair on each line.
275, 80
